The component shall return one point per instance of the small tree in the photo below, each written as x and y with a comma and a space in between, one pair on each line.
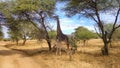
84, 34
14, 30
73, 40
27, 30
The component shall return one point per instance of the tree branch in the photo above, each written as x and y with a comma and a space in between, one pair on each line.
3, 24
91, 16
116, 18
117, 27
97, 33
27, 16
114, 28
99, 23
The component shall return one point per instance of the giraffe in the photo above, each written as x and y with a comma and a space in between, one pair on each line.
60, 46
60, 36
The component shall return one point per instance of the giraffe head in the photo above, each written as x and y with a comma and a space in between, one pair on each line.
55, 17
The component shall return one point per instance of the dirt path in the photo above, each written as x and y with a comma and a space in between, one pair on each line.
15, 59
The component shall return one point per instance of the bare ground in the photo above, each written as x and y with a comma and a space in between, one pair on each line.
16, 59
34, 55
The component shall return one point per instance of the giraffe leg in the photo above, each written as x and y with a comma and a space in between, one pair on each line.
60, 51
56, 51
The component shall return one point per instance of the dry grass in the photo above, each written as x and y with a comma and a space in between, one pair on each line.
86, 56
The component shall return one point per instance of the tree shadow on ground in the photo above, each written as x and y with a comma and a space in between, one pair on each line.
12, 52
6, 51
31, 52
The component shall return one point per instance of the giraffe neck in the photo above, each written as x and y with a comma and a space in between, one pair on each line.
59, 31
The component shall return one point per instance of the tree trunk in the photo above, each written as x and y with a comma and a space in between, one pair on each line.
24, 40
17, 41
47, 36
105, 49
49, 42
84, 41
43, 24
111, 44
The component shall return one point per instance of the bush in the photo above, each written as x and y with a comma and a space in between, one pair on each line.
6, 39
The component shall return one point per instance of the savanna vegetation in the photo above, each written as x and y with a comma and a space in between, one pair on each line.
31, 35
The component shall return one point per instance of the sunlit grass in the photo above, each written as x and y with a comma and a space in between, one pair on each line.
88, 56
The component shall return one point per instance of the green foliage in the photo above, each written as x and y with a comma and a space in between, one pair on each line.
6, 39
18, 29
13, 29
52, 34
22, 6
27, 29
73, 41
83, 33
19, 8
87, 7
26, 5
4, 8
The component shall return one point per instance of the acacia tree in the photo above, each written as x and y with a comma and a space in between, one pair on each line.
21, 29
93, 9
27, 30
13, 30
82, 33
33, 10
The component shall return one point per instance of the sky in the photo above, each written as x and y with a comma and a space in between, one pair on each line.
68, 25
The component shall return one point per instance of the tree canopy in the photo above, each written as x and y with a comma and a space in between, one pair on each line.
83, 33
34, 11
